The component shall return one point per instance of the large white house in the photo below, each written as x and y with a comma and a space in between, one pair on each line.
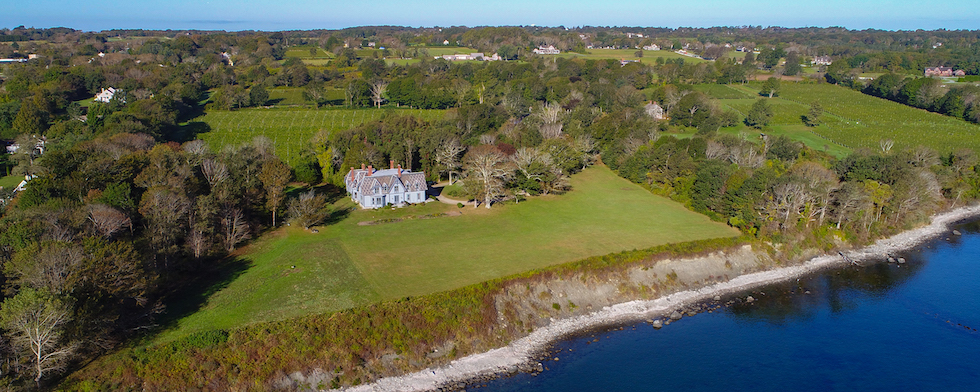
378, 188
107, 94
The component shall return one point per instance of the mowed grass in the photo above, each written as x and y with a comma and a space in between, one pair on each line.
10, 182
290, 130
294, 272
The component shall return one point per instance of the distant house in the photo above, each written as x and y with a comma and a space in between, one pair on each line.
378, 188
550, 49
472, 56
623, 62
2, 61
822, 60
107, 94
445, 42
654, 110
651, 47
944, 71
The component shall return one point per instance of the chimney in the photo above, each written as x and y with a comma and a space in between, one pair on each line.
370, 169
391, 164
399, 170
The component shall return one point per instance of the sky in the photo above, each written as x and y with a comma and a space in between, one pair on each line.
274, 15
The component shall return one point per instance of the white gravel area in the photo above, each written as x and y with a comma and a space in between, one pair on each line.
508, 359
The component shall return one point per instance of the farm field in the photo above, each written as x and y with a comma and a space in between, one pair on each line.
293, 96
294, 272
858, 120
851, 119
290, 129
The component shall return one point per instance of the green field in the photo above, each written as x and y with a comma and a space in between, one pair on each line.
293, 272
293, 96
859, 120
851, 119
292, 129
10, 182
649, 56
303, 51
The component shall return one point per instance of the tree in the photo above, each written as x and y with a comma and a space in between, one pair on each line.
770, 87
35, 319
448, 156
316, 93
274, 176
487, 171
792, 64
812, 117
759, 115
258, 95
32, 118
377, 92
309, 209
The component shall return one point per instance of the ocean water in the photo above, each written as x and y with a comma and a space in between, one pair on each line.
880, 327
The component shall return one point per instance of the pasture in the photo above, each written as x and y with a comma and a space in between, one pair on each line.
851, 119
292, 272
289, 129
857, 120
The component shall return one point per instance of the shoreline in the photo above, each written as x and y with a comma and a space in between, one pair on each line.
519, 353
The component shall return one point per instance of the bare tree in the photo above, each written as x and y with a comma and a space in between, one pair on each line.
309, 209
552, 116
215, 172
107, 220
448, 156
378, 89
51, 266
488, 170
35, 320
235, 228
886, 145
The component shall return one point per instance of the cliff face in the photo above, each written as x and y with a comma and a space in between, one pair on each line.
527, 306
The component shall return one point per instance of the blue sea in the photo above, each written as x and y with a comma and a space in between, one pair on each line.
879, 327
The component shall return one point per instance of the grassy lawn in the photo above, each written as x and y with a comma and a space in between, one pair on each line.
10, 182
347, 264
290, 129
293, 96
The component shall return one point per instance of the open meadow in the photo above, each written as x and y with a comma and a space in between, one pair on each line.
292, 272
851, 119
290, 129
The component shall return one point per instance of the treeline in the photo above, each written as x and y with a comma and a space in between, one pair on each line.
94, 246
929, 94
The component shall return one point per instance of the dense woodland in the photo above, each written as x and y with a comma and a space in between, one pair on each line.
127, 208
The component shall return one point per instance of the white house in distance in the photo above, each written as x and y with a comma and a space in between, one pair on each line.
378, 188
550, 49
106, 95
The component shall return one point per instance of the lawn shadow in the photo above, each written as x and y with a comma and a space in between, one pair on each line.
196, 287
189, 131
274, 101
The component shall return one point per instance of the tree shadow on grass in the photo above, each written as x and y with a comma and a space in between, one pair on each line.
189, 131
195, 287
